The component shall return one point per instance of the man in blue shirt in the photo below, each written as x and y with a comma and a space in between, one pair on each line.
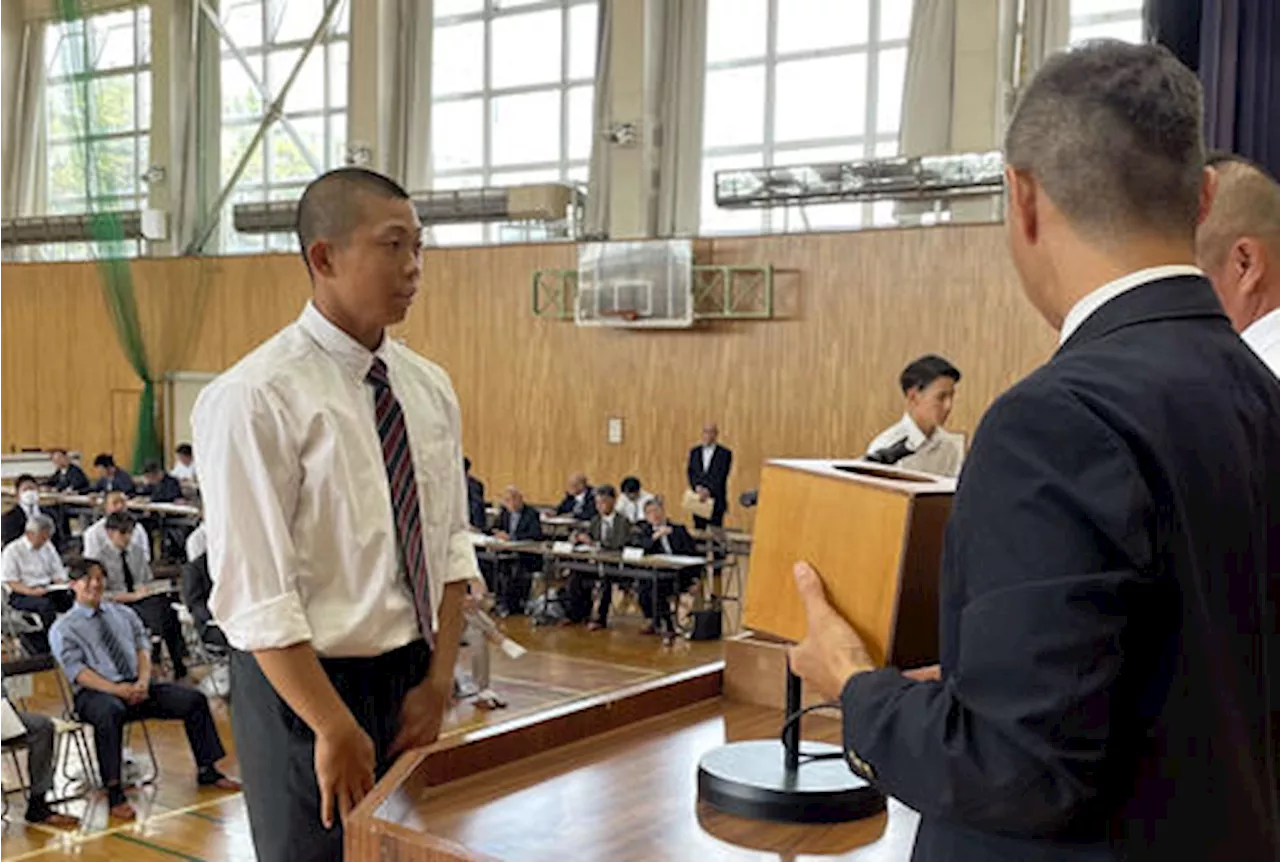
104, 650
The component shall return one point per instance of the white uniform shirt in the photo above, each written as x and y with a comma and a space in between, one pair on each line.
21, 563
1263, 336
633, 511
98, 547
197, 543
939, 454
301, 536
184, 472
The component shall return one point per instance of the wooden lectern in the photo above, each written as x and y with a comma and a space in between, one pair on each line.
874, 534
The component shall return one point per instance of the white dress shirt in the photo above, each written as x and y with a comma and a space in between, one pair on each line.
97, 546
301, 535
708, 452
112, 559
197, 543
1109, 291
184, 472
608, 525
1263, 336
633, 510
940, 453
32, 567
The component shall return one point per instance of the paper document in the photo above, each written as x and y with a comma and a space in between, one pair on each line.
696, 506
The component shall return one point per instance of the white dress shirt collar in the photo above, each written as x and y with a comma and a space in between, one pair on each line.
1263, 337
1109, 291
351, 354
915, 437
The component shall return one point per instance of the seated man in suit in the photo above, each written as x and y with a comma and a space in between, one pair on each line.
14, 522
579, 498
610, 531
111, 477
918, 441
96, 543
38, 739
477, 517
633, 499
67, 477
103, 649
160, 487
708, 472
196, 587
657, 535
128, 572
31, 568
518, 523
184, 467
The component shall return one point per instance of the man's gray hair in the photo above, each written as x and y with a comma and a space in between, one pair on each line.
39, 524
1112, 132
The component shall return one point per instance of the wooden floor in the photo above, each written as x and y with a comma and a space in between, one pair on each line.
180, 821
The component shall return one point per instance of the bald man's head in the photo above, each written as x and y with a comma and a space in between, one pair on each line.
1238, 245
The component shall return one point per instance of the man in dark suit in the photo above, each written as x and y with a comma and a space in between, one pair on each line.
579, 498
66, 476
1110, 662
160, 486
14, 523
111, 477
517, 523
609, 530
657, 535
709, 466
476, 514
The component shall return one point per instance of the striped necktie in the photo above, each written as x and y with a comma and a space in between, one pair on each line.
404, 492
115, 649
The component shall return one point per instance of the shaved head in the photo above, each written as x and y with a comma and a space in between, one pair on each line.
333, 204
1238, 243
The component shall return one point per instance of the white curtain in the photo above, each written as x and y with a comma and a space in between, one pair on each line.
596, 217
1046, 29
927, 92
408, 68
683, 52
24, 188
195, 107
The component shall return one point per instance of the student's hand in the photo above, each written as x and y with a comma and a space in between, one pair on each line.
931, 673
39, 592
141, 690
831, 652
420, 717
344, 762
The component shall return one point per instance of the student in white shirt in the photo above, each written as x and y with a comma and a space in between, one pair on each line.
184, 468
96, 542
1238, 247
31, 568
342, 600
632, 500
918, 441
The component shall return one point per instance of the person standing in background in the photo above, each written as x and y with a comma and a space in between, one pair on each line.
335, 510
708, 472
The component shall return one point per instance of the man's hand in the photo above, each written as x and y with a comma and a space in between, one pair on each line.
664, 530
39, 592
420, 716
502, 534
929, 673
831, 651
128, 692
704, 494
344, 770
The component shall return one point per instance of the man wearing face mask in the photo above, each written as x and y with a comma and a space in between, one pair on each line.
14, 522
918, 441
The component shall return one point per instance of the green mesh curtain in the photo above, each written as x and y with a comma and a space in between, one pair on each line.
107, 231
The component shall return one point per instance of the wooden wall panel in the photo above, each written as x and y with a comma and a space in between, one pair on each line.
536, 394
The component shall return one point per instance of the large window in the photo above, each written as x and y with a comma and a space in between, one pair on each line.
512, 90
97, 116
267, 39
1106, 19
795, 82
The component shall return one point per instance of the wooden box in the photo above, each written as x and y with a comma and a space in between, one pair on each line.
874, 534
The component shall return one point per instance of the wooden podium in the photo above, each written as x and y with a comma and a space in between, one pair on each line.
873, 533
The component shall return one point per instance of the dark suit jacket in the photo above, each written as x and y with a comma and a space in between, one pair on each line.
529, 527
618, 539
585, 512
715, 479
166, 490
681, 542
12, 525
70, 479
195, 589
121, 481
476, 515
1109, 644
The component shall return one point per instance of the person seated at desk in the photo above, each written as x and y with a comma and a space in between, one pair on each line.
657, 535
184, 468
111, 477
516, 523
14, 523
196, 587
918, 441
476, 515
96, 543
160, 487
103, 649
67, 478
609, 531
128, 570
38, 736
633, 499
30, 568
579, 500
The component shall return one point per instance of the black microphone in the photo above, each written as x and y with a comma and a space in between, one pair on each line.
890, 454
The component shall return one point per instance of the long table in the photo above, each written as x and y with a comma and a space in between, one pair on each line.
95, 502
